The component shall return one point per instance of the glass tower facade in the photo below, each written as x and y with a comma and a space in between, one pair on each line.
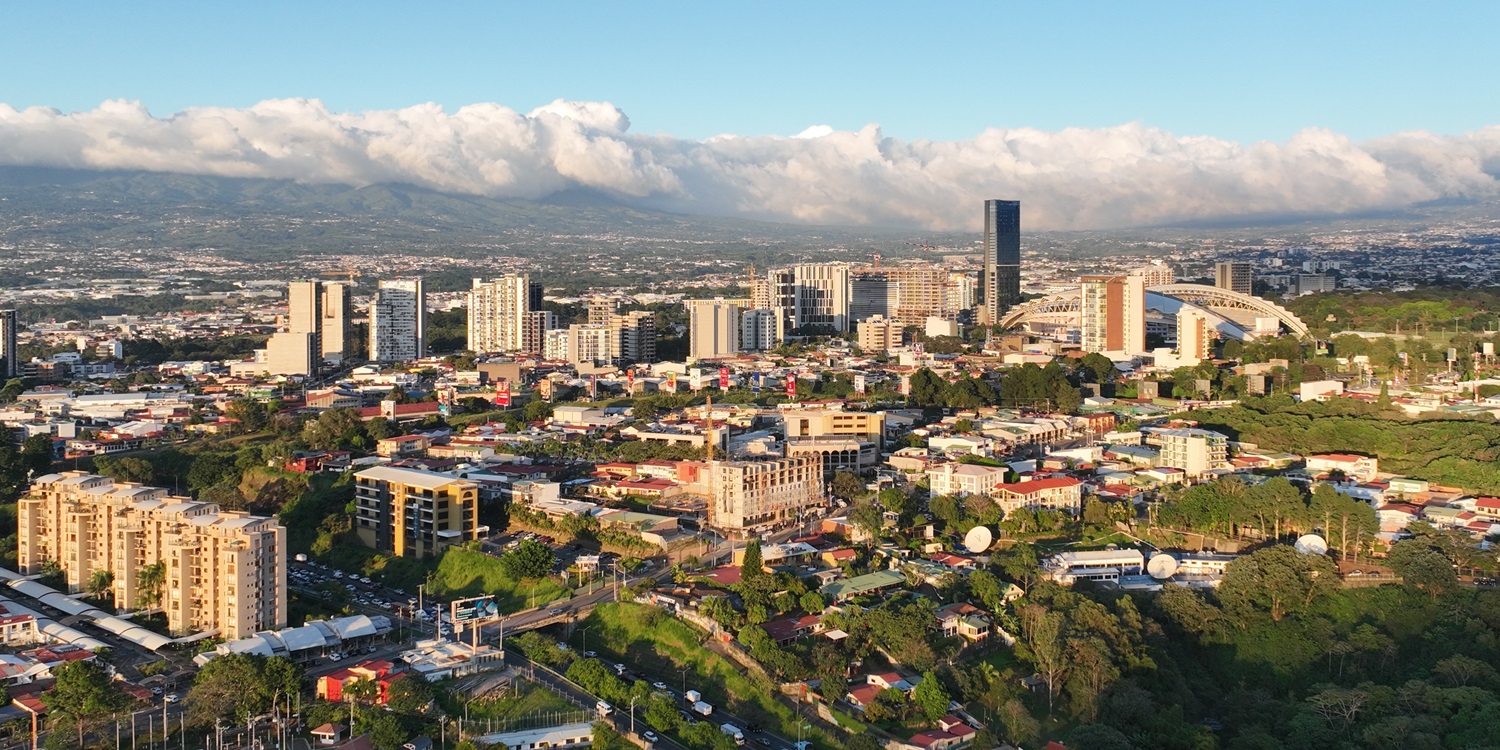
1002, 257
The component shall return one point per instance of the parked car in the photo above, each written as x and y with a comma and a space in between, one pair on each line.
172, 698
649, 736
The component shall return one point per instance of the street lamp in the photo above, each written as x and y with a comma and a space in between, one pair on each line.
684, 672
585, 648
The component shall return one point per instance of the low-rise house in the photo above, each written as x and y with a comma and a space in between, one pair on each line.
965, 620
1357, 468
785, 631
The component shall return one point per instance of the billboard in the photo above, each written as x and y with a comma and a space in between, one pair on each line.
791, 385
476, 609
755, 384
502, 394
723, 378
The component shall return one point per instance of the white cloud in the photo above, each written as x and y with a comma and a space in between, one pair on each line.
1076, 178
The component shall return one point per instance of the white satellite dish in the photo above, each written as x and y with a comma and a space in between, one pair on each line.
1161, 566
1311, 544
978, 539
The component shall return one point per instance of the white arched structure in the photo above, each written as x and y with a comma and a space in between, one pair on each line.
1232, 313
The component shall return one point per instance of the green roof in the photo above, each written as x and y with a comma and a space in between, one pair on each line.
864, 584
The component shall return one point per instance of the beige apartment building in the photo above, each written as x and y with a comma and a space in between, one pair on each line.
412, 513
1194, 451
224, 571
751, 495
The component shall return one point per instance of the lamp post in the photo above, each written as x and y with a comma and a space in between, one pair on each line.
632, 714
585, 648
684, 672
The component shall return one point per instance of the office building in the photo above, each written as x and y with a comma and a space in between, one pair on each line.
1113, 315
907, 294
753, 495
223, 571
534, 328
714, 328
878, 334
497, 314
1234, 275
336, 333
1195, 335
1001, 283
398, 321
1308, 283
863, 425
9, 366
821, 293
761, 329
411, 513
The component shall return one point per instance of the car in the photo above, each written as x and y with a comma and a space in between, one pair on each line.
659, 685
590, 654
335, 656
556, 611
762, 741
619, 668
649, 736
156, 691
372, 648
171, 698
1355, 573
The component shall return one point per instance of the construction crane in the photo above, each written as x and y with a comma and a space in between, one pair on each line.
351, 273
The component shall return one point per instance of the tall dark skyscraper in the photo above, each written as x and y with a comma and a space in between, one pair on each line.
1002, 258
9, 367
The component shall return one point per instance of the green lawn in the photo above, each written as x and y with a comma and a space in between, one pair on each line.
464, 572
526, 701
652, 640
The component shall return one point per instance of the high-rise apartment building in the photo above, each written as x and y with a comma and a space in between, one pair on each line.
292, 354
304, 310
411, 513
1001, 283
534, 328
497, 313
907, 294
1193, 450
751, 495
590, 344
1234, 275
398, 321
1156, 274
632, 337
1113, 316
760, 330
961, 292
223, 571
323, 311
337, 330
714, 327
9, 321
1195, 335
878, 334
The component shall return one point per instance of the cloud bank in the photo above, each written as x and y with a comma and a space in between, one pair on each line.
1129, 175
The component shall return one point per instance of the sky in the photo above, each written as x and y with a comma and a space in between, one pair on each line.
1182, 81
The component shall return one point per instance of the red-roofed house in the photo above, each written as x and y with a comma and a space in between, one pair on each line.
955, 726
964, 619
952, 561
863, 695
1054, 493
1358, 468
727, 575
1489, 507
934, 740
838, 557
786, 630
1397, 516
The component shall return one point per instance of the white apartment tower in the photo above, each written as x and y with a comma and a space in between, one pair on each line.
398, 321
714, 328
821, 294
323, 311
497, 313
1195, 335
760, 330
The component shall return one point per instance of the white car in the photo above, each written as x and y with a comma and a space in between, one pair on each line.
171, 698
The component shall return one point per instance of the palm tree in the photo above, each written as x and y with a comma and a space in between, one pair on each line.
151, 580
100, 583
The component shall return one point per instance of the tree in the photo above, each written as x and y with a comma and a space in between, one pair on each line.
249, 413
1020, 726
1422, 566
868, 518
84, 693
926, 388
930, 696
235, 687
812, 603
846, 485
1278, 579
99, 583
361, 691
126, 469
752, 566
530, 559
150, 581
408, 694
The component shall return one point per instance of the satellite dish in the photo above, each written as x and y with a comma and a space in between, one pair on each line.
1311, 544
1161, 566
978, 539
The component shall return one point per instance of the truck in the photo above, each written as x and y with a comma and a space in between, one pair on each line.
733, 731
604, 709
693, 696
702, 709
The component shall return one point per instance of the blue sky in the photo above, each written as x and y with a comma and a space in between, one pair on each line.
1239, 71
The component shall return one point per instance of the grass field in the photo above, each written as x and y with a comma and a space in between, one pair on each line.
661, 645
466, 573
